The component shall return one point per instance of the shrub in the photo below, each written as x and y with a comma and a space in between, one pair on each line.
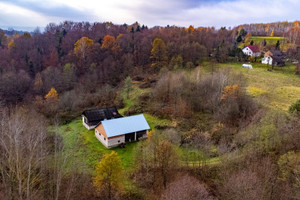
235, 110
222, 94
295, 107
186, 187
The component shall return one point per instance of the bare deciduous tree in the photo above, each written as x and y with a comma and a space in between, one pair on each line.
167, 160
23, 152
243, 185
186, 188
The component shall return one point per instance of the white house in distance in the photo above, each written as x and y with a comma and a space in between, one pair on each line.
274, 58
267, 58
114, 132
251, 50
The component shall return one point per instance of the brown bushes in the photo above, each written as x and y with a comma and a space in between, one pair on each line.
185, 188
180, 95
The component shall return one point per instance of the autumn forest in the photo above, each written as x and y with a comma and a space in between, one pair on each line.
217, 131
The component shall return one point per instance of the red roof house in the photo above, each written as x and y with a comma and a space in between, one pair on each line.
251, 50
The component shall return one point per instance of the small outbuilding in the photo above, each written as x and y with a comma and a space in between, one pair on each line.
91, 118
247, 66
114, 132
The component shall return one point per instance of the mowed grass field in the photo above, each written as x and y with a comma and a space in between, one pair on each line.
276, 89
271, 41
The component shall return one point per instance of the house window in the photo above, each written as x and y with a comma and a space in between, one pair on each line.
118, 141
104, 138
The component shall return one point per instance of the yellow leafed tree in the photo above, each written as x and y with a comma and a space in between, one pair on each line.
11, 45
109, 174
52, 95
190, 29
272, 33
159, 53
82, 45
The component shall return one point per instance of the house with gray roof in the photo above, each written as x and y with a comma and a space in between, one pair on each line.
114, 132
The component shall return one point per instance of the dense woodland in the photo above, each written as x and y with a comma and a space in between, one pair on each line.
48, 78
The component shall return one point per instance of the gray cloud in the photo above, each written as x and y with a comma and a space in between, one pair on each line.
59, 10
153, 12
221, 13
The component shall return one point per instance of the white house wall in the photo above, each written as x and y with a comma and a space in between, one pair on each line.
110, 142
115, 141
249, 52
265, 60
101, 138
87, 126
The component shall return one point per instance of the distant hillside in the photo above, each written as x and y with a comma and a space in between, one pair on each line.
12, 32
265, 29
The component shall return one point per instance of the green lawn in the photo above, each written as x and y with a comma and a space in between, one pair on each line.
210, 162
88, 148
133, 97
269, 40
266, 37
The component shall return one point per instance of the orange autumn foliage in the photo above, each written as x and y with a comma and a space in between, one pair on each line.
190, 29
231, 91
109, 42
150, 134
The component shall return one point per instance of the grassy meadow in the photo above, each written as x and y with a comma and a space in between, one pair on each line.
274, 89
269, 40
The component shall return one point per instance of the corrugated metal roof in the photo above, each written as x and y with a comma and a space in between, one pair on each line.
120, 126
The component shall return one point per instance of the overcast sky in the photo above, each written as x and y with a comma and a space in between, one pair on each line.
28, 14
